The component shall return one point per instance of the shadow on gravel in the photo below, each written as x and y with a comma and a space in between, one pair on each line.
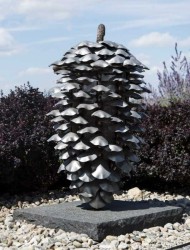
8, 200
118, 205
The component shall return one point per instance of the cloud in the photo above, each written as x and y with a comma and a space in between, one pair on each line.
154, 70
44, 10
50, 40
6, 8
143, 58
52, 10
141, 13
58, 10
154, 38
167, 13
39, 77
150, 22
151, 76
185, 42
187, 54
159, 39
35, 71
8, 45
22, 28
1, 78
27, 13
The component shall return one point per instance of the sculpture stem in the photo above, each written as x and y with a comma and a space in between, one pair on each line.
100, 33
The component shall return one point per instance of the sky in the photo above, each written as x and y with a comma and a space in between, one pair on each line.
36, 33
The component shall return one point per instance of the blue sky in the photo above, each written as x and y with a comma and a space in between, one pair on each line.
35, 33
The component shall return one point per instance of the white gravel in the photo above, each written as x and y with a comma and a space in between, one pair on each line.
25, 236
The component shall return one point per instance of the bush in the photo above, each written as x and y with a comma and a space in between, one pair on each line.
27, 161
174, 82
165, 158
166, 154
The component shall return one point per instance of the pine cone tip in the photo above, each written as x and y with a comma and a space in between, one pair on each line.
100, 33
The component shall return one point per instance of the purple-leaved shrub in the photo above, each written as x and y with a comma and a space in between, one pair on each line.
165, 158
27, 161
166, 154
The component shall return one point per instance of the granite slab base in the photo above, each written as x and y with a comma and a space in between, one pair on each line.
119, 217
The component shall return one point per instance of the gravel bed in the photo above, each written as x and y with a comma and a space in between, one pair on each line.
25, 236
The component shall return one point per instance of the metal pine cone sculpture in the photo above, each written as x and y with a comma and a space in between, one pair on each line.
97, 116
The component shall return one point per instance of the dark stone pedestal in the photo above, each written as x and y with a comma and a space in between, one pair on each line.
119, 217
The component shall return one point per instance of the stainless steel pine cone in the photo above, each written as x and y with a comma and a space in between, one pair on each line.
96, 117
